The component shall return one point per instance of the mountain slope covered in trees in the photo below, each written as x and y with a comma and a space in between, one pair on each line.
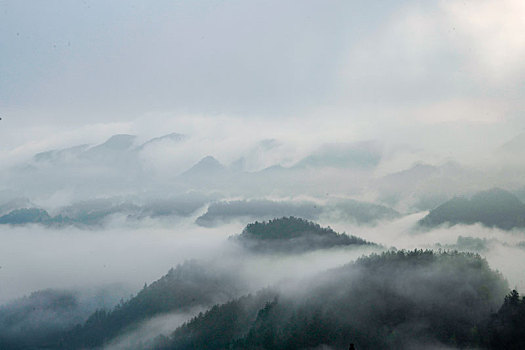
187, 286
394, 300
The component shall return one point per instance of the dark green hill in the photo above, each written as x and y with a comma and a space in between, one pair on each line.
492, 208
188, 285
290, 234
389, 301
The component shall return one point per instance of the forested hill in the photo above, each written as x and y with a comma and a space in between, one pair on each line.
187, 286
291, 234
492, 208
395, 300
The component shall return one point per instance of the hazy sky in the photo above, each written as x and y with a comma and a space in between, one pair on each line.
423, 71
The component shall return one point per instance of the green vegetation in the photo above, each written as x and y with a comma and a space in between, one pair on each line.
392, 300
469, 244
293, 235
188, 285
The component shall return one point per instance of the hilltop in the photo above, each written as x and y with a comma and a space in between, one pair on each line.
291, 234
492, 208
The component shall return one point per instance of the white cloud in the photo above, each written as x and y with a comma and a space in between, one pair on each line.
492, 34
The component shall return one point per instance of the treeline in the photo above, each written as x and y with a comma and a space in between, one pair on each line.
291, 234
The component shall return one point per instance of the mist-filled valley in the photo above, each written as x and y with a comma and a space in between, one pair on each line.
202, 263
262, 175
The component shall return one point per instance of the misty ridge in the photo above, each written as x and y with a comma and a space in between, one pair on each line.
495, 207
88, 185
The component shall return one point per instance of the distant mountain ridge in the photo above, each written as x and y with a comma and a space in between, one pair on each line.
346, 210
207, 166
118, 143
175, 137
343, 155
96, 212
60, 154
492, 208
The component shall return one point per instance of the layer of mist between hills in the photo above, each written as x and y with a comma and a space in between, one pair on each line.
193, 284
37, 320
336, 210
394, 300
493, 208
99, 211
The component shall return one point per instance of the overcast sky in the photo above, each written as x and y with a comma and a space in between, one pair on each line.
424, 71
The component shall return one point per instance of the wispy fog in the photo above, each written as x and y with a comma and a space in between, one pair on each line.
150, 329
35, 257
501, 248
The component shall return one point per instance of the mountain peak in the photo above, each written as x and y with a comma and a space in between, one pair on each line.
209, 162
205, 166
118, 142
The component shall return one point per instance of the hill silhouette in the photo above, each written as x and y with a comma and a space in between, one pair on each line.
492, 208
291, 234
